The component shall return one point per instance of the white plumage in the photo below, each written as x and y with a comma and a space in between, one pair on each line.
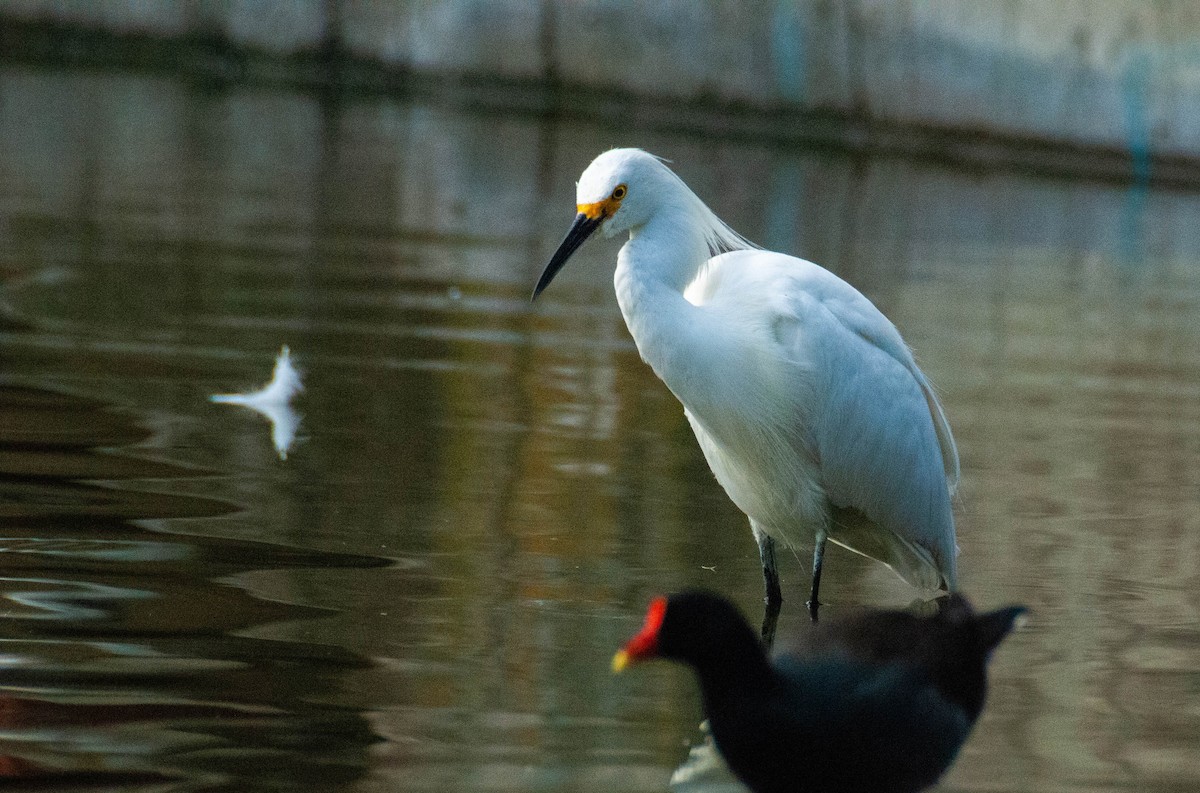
807, 403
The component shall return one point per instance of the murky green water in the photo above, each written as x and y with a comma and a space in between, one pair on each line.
424, 596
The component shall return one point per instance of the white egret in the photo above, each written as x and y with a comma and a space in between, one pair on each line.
806, 402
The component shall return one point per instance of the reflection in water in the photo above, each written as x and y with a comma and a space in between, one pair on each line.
274, 401
704, 771
539, 482
120, 663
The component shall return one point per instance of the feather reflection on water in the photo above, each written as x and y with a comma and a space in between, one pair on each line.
273, 401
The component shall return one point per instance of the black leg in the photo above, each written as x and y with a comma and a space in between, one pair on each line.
818, 557
772, 597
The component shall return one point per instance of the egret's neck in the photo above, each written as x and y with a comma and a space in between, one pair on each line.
653, 269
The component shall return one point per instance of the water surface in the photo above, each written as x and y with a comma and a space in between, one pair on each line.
484, 493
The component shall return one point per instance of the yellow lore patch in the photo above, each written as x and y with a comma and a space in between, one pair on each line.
598, 210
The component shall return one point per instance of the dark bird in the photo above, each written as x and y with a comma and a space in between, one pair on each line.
876, 702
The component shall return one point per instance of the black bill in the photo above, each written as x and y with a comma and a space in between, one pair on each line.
581, 229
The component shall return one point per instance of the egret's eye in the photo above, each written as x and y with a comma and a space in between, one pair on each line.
619, 192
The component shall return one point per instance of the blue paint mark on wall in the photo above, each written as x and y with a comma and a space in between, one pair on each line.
1135, 84
787, 49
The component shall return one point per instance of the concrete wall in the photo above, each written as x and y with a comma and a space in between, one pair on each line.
1117, 74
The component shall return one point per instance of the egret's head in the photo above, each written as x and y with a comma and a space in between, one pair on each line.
612, 195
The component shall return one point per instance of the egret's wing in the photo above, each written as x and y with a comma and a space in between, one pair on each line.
885, 452
860, 316
860, 409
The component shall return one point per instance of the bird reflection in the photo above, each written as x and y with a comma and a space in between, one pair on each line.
274, 401
704, 771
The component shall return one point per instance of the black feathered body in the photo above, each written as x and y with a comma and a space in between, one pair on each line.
879, 702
